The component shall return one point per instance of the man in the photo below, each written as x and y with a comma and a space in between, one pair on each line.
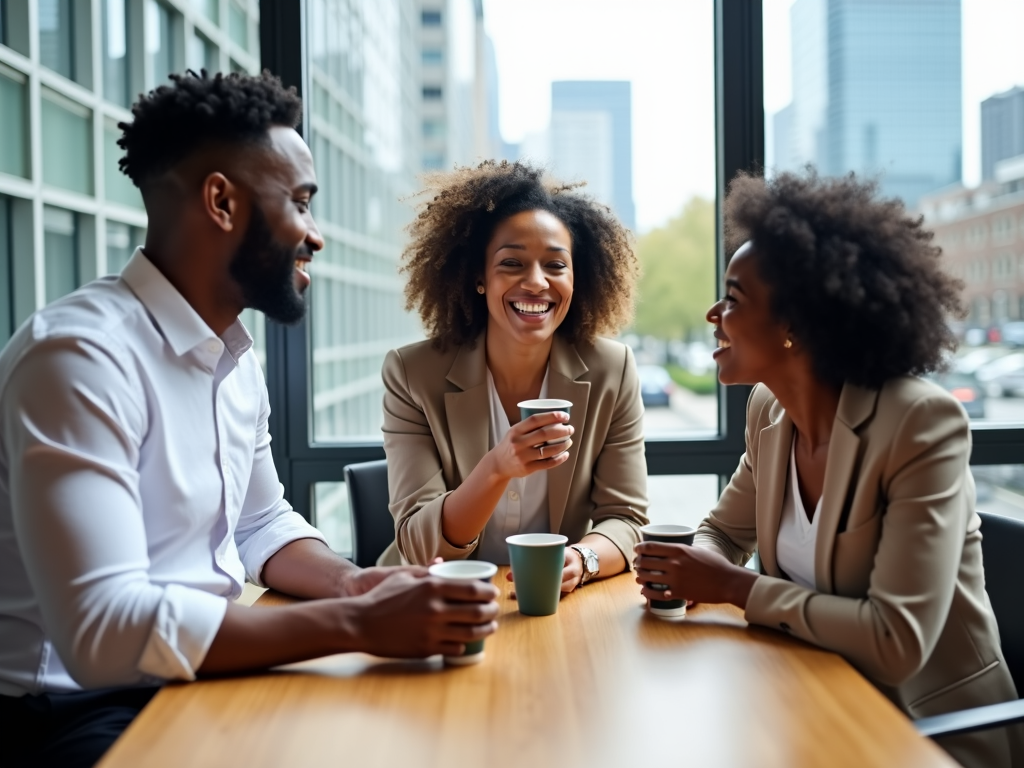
137, 488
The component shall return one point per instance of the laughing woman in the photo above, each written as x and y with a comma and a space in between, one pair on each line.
855, 487
514, 279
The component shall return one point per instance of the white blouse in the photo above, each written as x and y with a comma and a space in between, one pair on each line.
523, 507
797, 535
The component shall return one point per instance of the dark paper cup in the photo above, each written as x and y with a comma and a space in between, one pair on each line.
668, 534
537, 562
465, 570
528, 408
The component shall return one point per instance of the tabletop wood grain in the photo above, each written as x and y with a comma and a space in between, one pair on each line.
601, 683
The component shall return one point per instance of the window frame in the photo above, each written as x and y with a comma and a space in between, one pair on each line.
739, 132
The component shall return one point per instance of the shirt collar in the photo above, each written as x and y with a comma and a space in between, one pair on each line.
180, 324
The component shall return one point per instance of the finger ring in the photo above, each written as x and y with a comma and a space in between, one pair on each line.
540, 449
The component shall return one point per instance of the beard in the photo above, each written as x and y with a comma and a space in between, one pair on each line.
265, 271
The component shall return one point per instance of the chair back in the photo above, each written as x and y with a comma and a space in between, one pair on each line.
1002, 547
373, 528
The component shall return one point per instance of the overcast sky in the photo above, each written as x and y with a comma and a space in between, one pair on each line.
665, 47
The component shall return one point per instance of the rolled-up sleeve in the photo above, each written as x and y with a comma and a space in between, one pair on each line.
267, 522
72, 426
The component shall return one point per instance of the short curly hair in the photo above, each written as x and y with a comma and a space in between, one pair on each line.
856, 278
173, 121
445, 258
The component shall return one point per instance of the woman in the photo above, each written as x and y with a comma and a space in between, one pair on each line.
855, 487
514, 279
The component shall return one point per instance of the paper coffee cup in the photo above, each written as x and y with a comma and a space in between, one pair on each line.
465, 570
529, 408
537, 562
668, 534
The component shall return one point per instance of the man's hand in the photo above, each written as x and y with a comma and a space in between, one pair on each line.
409, 616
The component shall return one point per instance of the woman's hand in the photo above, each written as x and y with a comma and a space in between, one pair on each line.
691, 573
523, 450
572, 572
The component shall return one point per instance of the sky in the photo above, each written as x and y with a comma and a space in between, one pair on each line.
666, 48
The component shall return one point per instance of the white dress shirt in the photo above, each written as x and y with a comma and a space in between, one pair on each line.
797, 535
523, 508
137, 487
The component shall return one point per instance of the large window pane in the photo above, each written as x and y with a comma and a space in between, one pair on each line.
119, 188
67, 143
122, 240
1000, 489
57, 36
6, 282
115, 52
238, 25
61, 249
927, 97
162, 26
202, 54
681, 499
14, 25
14, 156
331, 515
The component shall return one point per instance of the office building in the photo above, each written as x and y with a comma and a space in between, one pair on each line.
1002, 129
876, 90
69, 72
591, 139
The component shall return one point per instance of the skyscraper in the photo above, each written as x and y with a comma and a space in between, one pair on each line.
1002, 129
592, 140
876, 90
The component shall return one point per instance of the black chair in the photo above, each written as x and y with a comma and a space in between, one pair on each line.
373, 528
1002, 545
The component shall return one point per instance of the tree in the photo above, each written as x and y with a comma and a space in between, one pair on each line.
677, 285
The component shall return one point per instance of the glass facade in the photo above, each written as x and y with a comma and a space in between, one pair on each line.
116, 85
67, 143
14, 158
6, 281
62, 242
364, 118
57, 36
162, 35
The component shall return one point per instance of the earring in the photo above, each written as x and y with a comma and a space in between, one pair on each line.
480, 289
787, 343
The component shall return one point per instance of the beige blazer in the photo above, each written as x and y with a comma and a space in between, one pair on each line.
900, 586
437, 429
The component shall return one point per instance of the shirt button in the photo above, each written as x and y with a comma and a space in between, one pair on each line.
213, 346
514, 496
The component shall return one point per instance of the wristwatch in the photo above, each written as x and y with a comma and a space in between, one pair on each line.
591, 566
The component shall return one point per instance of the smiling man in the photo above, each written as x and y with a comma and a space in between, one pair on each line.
137, 488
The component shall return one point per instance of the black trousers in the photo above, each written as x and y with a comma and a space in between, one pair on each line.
66, 730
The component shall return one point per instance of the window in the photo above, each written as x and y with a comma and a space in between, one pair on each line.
61, 238
162, 37
238, 25
431, 18
431, 93
433, 161
202, 54
122, 240
433, 129
119, 188
116, 86
14, 154
209, 8
67, 143
6, 276
14, 25
57, 36
432, 57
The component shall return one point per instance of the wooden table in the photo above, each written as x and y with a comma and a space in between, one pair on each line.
602, 683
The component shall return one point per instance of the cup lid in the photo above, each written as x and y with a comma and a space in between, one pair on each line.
546, 402
463, 569
668, 530
537, 539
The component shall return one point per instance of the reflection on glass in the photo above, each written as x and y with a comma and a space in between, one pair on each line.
119, 188
681, 499
360, 146
160, 42
57, 36
927, 98
331, 516
202, 54
115, 52
60, 246
238, 25
1000, 489
13, 123
6, 288
67, 143
122, 240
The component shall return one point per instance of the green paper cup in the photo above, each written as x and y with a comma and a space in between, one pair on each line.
537, 562
668, 534
528, 408
465, 570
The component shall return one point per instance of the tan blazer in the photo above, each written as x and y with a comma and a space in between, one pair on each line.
437, 429
900, 586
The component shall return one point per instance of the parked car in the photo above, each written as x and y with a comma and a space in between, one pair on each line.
1013, 333
656, 386
965, 388
972, 361
1003, 377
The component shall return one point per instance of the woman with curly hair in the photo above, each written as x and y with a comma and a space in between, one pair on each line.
855, 487
516, 279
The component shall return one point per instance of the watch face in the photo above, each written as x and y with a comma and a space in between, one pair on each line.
592, 563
